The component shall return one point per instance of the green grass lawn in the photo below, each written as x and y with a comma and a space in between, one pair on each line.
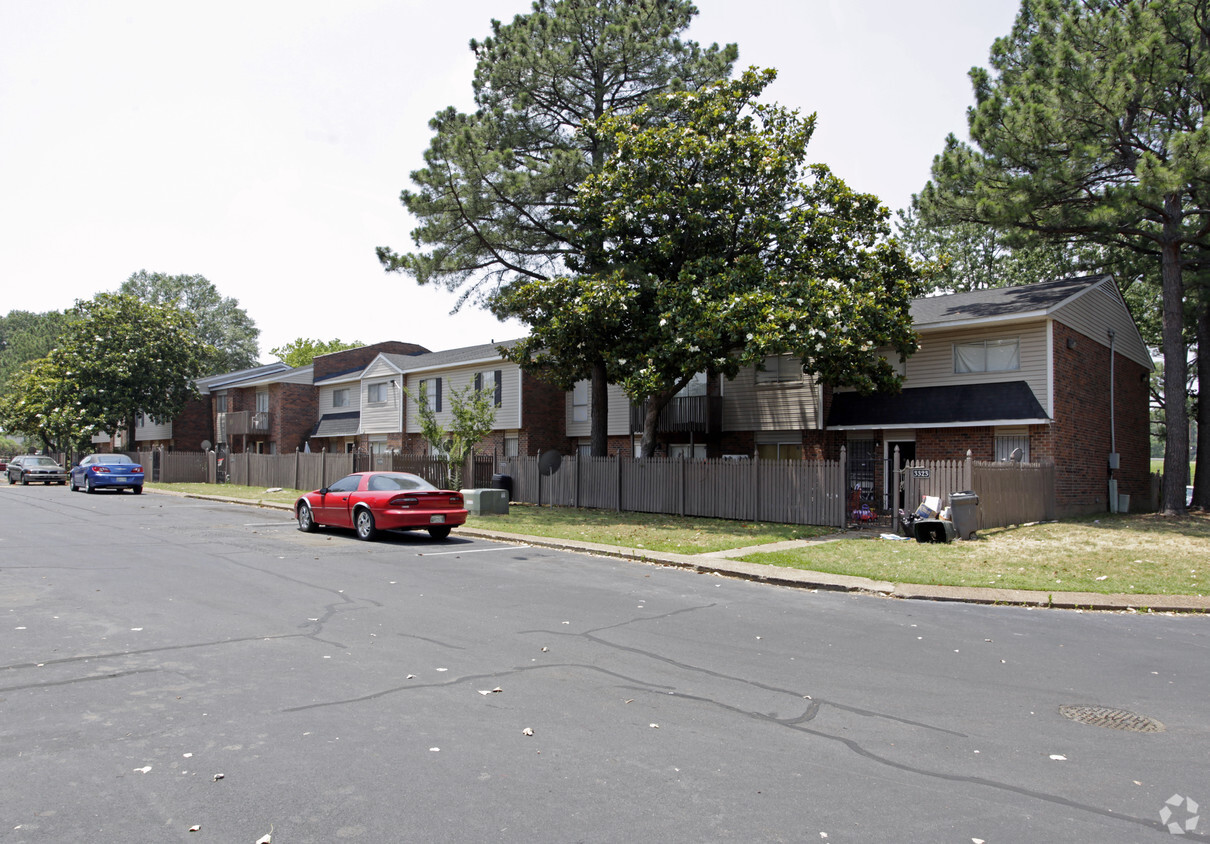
1111, 554
648, 531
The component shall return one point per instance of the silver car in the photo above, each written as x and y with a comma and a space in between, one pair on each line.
35, 468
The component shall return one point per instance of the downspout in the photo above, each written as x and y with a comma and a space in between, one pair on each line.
1113, 442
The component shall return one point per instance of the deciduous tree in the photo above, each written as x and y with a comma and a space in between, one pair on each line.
302, 351
121, 356
494, 181
222, 325
474, 414
723, 247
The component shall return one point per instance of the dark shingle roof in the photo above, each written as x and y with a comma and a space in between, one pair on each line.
452, 357
1043, 297
959, 404
337, 424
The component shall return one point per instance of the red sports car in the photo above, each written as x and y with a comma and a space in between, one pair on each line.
370, 502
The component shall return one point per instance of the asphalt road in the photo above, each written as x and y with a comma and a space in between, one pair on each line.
382, 692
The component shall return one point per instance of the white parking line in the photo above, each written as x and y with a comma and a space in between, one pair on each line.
471, 550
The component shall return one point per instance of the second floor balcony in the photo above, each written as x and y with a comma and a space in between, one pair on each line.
687, 414
241, 423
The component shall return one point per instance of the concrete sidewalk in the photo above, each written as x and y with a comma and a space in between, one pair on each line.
723, 563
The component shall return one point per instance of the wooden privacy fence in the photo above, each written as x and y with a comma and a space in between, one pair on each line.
1009, 493
175, 467
1014, 493
300, 470
784, 491
477, 469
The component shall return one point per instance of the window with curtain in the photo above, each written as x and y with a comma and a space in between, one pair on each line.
988, 356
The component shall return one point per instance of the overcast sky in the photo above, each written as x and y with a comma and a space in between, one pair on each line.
264, 144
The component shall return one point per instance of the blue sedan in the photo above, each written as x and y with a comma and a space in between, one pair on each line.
112, 471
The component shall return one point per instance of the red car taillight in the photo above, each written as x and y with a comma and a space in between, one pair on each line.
403, 501
456, 499
101, 470
137, 470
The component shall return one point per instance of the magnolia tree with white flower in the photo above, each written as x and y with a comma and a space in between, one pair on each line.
727, 247
118, 358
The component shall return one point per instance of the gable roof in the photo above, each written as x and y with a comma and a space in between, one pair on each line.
230, 379
999, 303
482, 353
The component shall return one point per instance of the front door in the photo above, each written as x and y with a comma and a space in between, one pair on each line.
907, 454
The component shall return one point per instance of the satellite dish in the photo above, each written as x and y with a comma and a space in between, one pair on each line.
206, 446
548, 462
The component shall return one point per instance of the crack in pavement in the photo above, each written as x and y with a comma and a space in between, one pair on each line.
74, 680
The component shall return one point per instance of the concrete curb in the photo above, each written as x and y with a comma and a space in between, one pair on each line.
719, 563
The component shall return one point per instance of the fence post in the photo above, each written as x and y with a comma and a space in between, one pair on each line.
682, 485
895, 494
967, 477
756, 488
618, 457
844, 484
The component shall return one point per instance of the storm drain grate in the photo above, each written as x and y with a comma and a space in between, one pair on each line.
1114, 719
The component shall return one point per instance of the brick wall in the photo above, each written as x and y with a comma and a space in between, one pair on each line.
1080, 437
294, 409
360, 357
543, 417
192, 425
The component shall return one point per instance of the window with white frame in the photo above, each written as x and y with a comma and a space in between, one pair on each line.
688, 451
430, 393
579, 402
340, 398
262, 401
780, 369
220, 403
512, 445
988, 356
376, 393
491, 380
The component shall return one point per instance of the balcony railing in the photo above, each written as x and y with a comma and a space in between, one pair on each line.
241, 423
688, 414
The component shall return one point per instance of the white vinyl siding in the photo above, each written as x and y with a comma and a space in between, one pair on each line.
618, 410
327, 394
752, 406
1101, 309
380, 417
147, 430
457, 379
987, 356
933, 364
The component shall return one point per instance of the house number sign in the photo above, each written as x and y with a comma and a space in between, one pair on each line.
920, 473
